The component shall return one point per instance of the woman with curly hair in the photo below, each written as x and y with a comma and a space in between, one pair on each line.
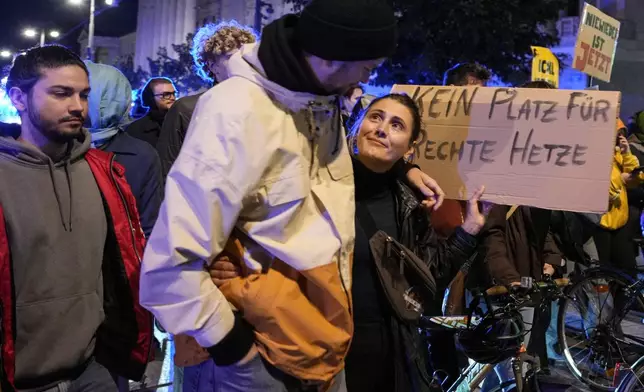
212, 47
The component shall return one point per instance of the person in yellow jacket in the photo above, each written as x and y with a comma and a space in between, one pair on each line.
612, 238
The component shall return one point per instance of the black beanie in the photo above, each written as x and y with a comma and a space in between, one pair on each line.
347, 30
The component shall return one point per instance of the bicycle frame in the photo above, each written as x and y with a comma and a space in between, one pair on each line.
551, 289
517, 368
478, 378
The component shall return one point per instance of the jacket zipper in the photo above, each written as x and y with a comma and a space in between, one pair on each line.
127, 210
313, 141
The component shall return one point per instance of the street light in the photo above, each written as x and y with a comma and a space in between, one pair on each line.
79, 2
90, 32
32, 33
5, 54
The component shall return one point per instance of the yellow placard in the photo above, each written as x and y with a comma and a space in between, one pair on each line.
596, 43
545, 66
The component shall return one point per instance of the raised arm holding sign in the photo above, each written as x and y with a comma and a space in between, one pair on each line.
544, 148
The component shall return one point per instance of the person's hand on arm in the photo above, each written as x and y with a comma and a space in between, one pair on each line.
222, 270
434, 195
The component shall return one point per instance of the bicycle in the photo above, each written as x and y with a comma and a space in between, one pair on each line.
517, 298
594, 344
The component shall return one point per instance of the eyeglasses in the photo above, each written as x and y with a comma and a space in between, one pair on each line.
167, 95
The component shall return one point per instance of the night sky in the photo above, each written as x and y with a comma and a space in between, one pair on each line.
68, 19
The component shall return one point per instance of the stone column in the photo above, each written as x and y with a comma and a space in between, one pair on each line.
155, 28
179, 23
161, 23
188, 12
143, 46
167, 26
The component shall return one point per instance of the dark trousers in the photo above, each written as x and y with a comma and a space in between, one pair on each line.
540, 323
443, 357
369, 364
634, 225
615, 248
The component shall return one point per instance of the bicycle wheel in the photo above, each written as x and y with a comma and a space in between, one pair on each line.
594, 329
634, 380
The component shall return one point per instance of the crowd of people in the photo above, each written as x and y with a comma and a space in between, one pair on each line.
256, 221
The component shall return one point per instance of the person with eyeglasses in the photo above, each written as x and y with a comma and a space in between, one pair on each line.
158, 95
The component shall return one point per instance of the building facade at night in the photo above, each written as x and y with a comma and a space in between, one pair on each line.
162, 23
108, 50
628, 71
627, 75
165, 22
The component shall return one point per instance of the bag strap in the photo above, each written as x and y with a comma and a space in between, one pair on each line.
510, 212
366, 220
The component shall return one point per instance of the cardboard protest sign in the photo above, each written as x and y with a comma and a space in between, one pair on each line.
596, 43
537, 147
545, 66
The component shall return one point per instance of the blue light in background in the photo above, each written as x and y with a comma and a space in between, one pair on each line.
135, 96
8, 113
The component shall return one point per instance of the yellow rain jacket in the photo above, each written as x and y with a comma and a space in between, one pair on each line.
617, 213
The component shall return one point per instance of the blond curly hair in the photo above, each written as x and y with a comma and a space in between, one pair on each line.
213, 40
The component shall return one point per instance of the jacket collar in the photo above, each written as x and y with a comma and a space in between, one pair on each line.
407, 197
147, 124
120, 144
246, 64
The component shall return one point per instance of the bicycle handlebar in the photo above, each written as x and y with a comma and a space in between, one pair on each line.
500, 290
